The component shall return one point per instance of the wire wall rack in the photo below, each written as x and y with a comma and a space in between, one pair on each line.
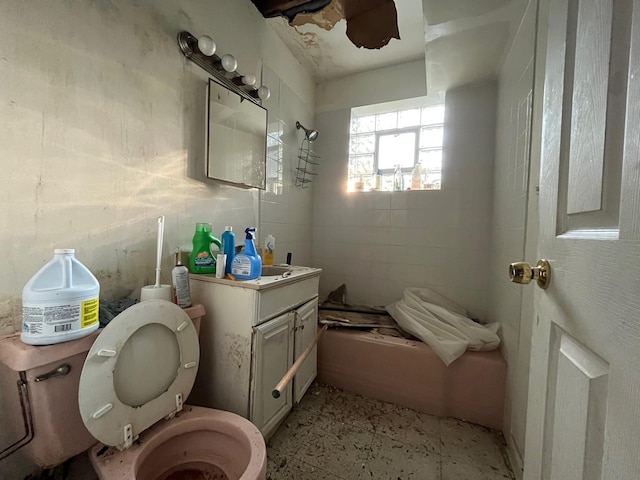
306, 159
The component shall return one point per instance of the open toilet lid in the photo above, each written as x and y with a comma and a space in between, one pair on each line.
139, 370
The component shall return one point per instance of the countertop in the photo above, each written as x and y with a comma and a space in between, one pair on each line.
294, 274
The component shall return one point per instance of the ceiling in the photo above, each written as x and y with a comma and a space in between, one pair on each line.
462, 41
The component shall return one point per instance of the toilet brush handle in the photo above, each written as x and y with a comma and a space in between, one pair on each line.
286, 379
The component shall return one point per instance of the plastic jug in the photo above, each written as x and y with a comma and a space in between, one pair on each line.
202, 260
60, 302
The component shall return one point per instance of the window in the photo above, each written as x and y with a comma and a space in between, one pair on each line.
396, 150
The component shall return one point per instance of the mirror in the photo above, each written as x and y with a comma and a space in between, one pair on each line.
236, 138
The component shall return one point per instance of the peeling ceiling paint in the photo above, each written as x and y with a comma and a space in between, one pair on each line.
462, 42
325, 18
332, 55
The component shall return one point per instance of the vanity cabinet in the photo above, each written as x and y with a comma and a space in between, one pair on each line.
250, 335
305, 329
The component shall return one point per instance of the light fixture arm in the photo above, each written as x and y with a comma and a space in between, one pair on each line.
213, 65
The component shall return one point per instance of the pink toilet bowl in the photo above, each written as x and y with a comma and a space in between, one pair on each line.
181, 449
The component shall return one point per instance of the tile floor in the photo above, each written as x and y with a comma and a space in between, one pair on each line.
335, 435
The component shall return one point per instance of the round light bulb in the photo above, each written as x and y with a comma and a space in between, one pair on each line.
249, 79
206, 45
229, 63
264, 93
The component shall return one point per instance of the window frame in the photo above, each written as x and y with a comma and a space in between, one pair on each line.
365, 166
397, 131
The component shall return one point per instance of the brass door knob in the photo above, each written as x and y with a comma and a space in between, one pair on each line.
522, 272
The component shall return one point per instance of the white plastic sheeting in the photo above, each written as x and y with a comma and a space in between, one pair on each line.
442, 324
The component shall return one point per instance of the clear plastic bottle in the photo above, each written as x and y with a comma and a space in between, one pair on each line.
378, 181
416, 177
398, 179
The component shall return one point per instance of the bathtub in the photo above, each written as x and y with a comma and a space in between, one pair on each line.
410, 374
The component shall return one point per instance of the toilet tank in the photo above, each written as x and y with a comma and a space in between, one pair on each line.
59, 432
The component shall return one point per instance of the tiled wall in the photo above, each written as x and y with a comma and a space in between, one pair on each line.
511, 304
378, 243
285, 210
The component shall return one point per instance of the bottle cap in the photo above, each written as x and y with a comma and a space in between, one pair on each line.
178, 257
228, 229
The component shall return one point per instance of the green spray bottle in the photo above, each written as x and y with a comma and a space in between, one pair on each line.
202, 260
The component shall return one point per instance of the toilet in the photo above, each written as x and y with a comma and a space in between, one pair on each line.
128, 394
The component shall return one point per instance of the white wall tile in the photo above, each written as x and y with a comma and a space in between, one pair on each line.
411, 235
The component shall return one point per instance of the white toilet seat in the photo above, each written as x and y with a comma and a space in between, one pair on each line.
139, 370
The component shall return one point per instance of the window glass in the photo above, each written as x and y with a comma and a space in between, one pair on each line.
387, 121
362, 164
431, 115
431, 137
409, 118
366, 124
362, 144
397, 149
431, 159
353, 129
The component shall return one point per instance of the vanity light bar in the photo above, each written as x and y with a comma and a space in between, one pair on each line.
201, 51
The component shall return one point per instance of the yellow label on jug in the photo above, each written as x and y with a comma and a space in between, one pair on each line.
89, 313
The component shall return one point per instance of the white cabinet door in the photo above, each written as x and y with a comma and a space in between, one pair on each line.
273, 354
305, 333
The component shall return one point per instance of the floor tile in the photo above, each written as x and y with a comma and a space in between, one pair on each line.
352, 409
410, 426
315, 397
395, 459
303, 471
293, 431
471, 444
338, 448
277, 465
454, 470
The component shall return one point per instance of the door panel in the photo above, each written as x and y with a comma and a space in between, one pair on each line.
305, 334
580, 406
589, 103
273, 351
591, 61
583, 418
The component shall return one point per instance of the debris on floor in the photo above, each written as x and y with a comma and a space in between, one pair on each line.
336, 435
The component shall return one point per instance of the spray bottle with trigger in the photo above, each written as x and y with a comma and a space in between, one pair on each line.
247, 265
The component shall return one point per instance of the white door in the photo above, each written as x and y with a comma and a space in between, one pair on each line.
305, 334
273, 354
584, 391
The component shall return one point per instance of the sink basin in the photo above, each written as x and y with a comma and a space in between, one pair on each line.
273, 270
